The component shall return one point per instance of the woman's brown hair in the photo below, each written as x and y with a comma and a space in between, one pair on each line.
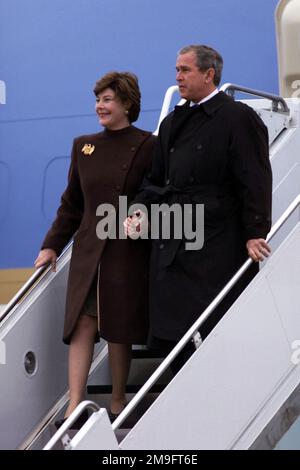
126, 87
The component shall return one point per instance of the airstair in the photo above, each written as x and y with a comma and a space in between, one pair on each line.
238, 390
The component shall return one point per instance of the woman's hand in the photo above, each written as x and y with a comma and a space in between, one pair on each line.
258, 249
46, 256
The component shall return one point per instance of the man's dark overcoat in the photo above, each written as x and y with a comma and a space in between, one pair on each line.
217, 155
115, 167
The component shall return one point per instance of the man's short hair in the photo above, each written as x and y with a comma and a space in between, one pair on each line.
207, 58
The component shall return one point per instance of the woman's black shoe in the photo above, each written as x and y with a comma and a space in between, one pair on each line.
78, 423
59, 422
113, 416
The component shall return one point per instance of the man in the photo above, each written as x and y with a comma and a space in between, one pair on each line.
216, 154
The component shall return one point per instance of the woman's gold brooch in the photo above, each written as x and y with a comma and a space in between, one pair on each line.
88, 149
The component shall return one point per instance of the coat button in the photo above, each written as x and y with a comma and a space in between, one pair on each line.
133, 149
118, 187
199, 147
172, 149
191, 179
124, 167
161, 246
167, 181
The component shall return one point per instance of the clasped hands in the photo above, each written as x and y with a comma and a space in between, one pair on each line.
136, 225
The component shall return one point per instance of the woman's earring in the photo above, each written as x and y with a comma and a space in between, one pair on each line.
126, 111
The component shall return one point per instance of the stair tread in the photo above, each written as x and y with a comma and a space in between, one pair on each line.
146, 354
130, 388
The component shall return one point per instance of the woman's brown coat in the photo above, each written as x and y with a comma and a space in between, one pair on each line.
112, 163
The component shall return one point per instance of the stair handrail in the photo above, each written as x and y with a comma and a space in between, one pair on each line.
38, 275
194, 328
166, 105
84, 405
231, 88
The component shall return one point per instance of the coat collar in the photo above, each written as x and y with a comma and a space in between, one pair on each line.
210, 106
216, 102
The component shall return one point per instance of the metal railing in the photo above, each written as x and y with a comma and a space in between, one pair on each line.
24, 290
37, 276
166, 105
277, 101
194, 328
60, 433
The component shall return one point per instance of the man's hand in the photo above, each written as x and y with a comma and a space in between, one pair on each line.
136, 225
258, 249
46, 256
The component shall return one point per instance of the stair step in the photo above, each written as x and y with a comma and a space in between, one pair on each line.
146, 354
107, 389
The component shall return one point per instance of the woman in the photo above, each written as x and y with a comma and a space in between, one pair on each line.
108, 279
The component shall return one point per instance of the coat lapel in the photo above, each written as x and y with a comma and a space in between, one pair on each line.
180, 116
